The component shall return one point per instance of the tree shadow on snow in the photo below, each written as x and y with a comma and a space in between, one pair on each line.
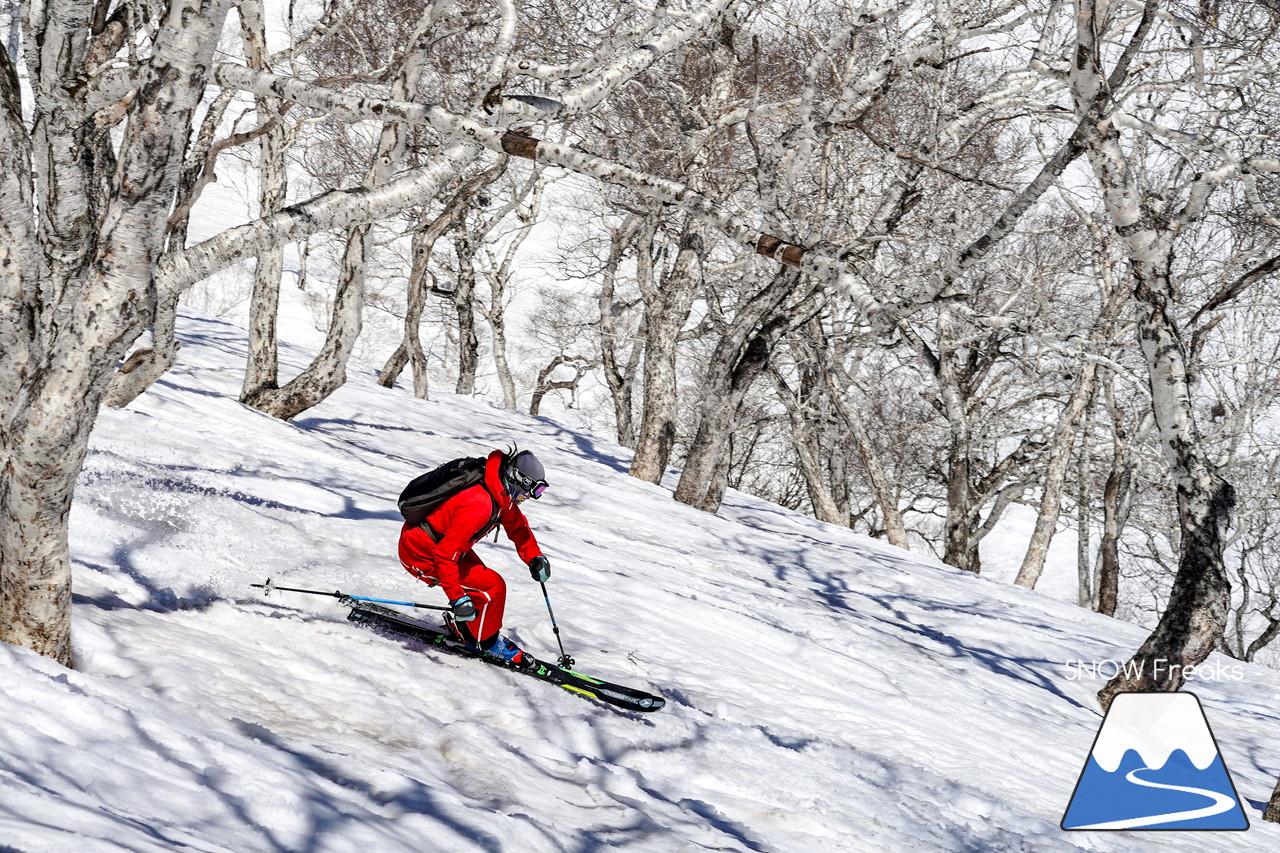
326, 814
889, 617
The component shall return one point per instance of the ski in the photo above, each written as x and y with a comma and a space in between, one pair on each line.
618, 695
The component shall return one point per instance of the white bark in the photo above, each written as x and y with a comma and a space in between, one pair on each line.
101, 234
1060, 454
464, 307
607, 77
18, 263
327, 211
262, 365
895, 528
741, 354
1086, 583
825, 507
499, 275
143, 367
667, 304
546, 384
328, 370
1055, 478
620, 376
1195, 618
700, 206
410, 351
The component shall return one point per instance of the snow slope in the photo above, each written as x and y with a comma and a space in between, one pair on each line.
826, 691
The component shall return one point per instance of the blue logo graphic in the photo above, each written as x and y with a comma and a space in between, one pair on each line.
1155, 765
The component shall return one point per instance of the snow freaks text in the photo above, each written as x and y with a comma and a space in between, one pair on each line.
1080, 670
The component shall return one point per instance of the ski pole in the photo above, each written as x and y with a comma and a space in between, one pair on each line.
565, 661
269, 587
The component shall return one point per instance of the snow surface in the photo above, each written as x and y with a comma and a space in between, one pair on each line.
826, 691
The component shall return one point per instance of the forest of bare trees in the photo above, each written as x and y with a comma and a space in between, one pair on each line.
904, 267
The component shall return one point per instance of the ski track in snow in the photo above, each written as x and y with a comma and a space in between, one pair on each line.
825, 692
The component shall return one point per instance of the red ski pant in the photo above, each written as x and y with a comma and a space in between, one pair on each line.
488, 593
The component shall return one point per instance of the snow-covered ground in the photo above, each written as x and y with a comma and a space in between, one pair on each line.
826, 691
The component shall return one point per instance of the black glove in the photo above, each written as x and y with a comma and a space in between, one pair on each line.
463, 609
540, 569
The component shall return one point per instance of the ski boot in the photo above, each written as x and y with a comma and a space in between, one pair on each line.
503, 650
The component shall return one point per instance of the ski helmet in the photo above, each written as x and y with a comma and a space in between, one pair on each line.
523, 474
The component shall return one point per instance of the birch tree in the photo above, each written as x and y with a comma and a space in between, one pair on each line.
886, 493
1060, 450
620, 350
1130, 429
85, 192
1156, 203
741, 354
262, 363
422, 279
200, 169
499, 272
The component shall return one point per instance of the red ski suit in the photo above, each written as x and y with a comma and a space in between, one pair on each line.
439, 551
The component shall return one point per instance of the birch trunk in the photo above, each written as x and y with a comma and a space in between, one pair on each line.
328, 370
667, 308
895, 529
1116, 495
262, 367
620, 378
1195, 618
545, 384
825, 507
498, 329
1055, 477
739, 356
415, 355
498, 278
464, 297
960, 544
1086, 581
19, 268
141, 370
730, 381
101, 233
424, 240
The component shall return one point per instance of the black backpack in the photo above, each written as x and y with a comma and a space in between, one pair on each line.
425, 494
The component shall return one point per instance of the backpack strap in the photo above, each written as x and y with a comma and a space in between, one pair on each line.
426, 527
494, 514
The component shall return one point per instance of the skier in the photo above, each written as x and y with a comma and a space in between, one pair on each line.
439, 550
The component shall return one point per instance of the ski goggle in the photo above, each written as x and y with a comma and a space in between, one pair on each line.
527, 488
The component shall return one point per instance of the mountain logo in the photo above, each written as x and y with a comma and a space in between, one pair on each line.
1155, 765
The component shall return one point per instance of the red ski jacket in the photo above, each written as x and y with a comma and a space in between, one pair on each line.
435, 547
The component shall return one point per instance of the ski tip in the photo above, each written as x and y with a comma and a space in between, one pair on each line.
640, 703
